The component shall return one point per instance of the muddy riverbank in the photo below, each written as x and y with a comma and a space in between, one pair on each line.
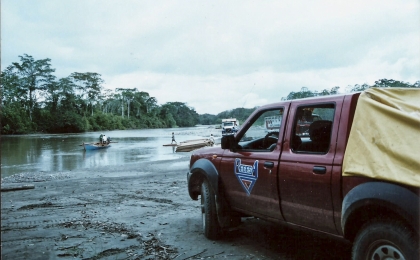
137, 211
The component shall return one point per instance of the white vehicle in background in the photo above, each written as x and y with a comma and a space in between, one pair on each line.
230, 126
273, 122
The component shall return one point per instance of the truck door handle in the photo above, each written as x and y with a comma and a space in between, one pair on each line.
320, 170
268, 164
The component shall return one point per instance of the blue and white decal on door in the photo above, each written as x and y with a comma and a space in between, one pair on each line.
246, 174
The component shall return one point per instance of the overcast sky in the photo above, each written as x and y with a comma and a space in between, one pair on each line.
218, 55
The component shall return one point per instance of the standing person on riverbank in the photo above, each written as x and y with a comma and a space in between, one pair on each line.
173, 138
211, 139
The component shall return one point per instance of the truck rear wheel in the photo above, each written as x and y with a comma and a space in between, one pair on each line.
211, 227
385, 240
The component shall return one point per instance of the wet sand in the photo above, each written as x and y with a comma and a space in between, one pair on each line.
136, 211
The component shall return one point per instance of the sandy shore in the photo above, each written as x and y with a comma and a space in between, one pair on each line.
136, 211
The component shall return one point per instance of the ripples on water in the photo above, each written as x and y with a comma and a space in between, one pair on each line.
62, 152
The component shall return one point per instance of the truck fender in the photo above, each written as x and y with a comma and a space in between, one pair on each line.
201, 169
371, 199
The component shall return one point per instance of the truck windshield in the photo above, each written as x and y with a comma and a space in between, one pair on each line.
228, 124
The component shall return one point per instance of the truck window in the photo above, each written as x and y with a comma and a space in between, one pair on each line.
263, 133
312, 128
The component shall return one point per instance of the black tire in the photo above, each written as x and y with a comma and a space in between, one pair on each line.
211, 227
385, 240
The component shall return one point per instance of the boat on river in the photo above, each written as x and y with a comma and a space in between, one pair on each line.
190, 145
95, 146
170, 144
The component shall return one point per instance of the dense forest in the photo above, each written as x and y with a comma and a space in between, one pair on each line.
34, 100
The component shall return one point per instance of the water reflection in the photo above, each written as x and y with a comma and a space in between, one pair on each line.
63, 152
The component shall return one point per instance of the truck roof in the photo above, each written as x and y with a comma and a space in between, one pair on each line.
305, 100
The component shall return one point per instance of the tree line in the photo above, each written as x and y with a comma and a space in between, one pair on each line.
34, 100
242, 113
382, 83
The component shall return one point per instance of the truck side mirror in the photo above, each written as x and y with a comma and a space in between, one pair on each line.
228, 142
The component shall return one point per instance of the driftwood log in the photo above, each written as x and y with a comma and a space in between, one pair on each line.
13, 187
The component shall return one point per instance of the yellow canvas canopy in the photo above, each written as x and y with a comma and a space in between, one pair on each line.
384, 141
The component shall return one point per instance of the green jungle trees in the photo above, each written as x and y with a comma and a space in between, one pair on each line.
34, 100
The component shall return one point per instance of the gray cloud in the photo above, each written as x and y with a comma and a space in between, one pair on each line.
214, 51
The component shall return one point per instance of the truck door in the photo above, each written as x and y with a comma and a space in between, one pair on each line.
306, 164
250, 172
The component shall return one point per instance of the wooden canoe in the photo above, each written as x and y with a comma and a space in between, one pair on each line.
95, 146
190, 145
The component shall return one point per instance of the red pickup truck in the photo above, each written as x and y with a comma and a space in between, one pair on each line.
355, 175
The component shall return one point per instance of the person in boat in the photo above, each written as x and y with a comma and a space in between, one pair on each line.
173, 138
100, 138
104, 139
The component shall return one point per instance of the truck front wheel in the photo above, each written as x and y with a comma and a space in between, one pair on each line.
385, 240
211, 227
